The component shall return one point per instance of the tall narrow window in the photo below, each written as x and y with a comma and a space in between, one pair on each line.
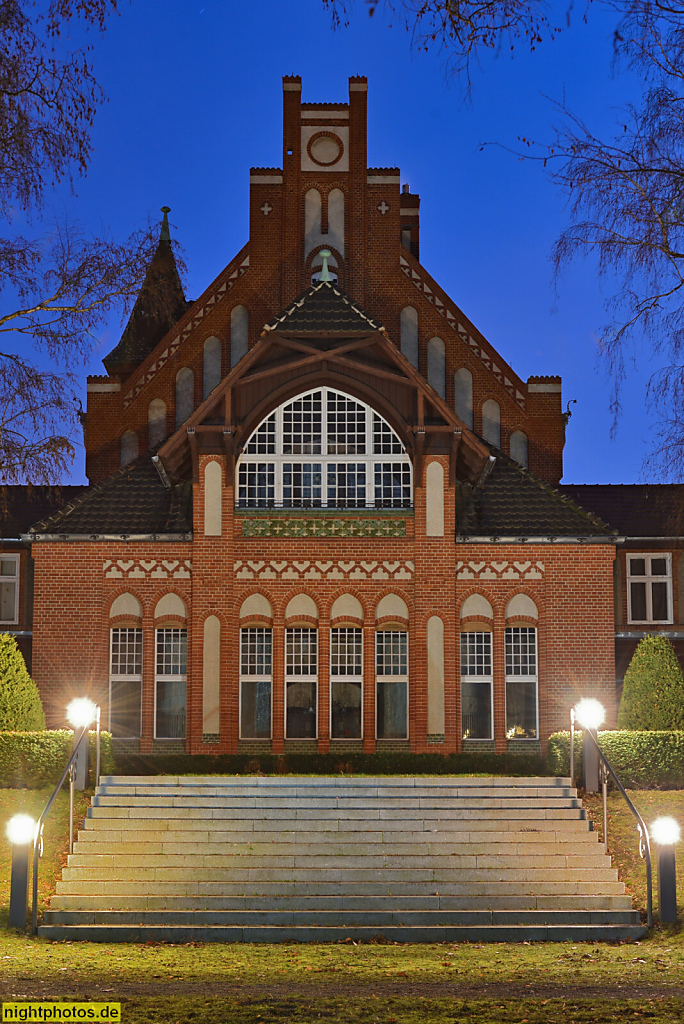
521, 683
649, 591
239, 334
9, 589
125, 682
301, 679
476, 686
185, 395
346, 683
391, 681
211, 366
519, 447
129, 447
312, 220
156, 422
463, 395
491, 422
171, 683
336, 220
436, 365
256, 659
409, 334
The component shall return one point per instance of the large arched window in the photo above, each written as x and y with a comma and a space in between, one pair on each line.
324, 449
185, 395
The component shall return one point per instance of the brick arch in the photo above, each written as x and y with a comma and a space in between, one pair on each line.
242, 596
325, 378
480, 592
177, 592
121, 589
294, 592
439, 613
533, 596
353, 592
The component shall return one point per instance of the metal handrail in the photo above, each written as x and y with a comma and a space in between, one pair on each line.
644, 840
38, 836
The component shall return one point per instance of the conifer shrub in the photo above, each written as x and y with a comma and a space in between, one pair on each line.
20, 704
653, 690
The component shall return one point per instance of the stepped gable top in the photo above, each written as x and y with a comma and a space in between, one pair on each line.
160, 304
512, 502
133, 501
635, 510
21, 505
323, 308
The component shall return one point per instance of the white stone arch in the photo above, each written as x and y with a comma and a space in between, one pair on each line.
185, 395
126, 604
256, 606
520, 447
436, 365
213, 499
521, 607
156, 422
301, 607
393, 607
476, 606
130, 447
239, 334
463, 396
408, 332
346, 606
434, 500
211, 365
170, 605
491, 422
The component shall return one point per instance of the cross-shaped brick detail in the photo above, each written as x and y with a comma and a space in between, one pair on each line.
266, 208
383, 207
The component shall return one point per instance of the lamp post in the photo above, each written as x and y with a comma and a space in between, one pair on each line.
81, 713
666, 832
590, 714
21, 830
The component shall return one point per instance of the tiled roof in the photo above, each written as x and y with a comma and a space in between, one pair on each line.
22, 505
634, 510
514, 503
132, 501
323, 308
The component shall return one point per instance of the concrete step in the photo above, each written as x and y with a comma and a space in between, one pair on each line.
289, 813
137, 904
439, 933
92, 841
575, 826
117, 866
385, 782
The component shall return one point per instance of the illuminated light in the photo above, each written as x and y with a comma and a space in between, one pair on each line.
21, 830
665, 831
590, 713
81, 712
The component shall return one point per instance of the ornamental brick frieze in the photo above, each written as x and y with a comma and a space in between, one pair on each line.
298, 527
499, 570
147, 569
477, 350
278, 569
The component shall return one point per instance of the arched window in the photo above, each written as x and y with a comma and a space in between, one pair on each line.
129, 447
409, 334
185, 395
520, 447
336, 220
463, 396
324, 449
491, 422
312, 220
522, 717
211, 376
239, 334
477, 681
436, 365
156, 422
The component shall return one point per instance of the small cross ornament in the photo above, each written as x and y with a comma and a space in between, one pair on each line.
383, 207
266, 208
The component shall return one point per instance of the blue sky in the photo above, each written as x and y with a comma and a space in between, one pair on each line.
194, 100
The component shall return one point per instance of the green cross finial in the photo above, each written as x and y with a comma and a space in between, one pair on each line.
165, 234
325, 273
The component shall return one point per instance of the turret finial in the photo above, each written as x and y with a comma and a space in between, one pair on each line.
325, 274
165, 234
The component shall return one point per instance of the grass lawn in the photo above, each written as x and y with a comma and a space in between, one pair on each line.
338, 983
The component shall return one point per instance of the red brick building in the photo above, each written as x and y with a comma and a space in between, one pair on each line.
323, 511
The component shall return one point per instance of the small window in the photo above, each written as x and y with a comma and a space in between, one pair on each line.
9, 589
256, 485
649, 590
391, 682
346, 683
521, 683
171, 683
125, 682
301, 683
256, 676
476, 686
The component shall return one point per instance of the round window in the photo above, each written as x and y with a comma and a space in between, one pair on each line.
325, 149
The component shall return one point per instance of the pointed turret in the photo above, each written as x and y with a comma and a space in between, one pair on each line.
160, 304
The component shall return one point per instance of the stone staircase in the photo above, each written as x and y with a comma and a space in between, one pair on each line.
317, 859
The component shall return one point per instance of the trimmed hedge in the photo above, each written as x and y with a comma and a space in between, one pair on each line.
29, 760
398, 763
642, 760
